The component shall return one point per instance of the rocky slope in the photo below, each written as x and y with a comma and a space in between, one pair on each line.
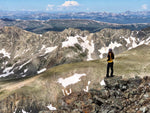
117, 96
26, 54
83, 83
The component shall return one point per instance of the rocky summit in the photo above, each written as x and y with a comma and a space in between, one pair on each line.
117, 96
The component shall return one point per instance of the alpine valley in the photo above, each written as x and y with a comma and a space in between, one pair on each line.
64, 72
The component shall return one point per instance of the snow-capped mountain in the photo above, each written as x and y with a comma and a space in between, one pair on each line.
25, 54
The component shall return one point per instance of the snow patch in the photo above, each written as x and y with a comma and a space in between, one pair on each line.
70, 80
23, 75
16, 56
86, 44
71, 41
7, 72
42, 70
142, 42
5, 54
26, 50
143, 109
43, 47
25, 70
89, 46
147, 41
24, 111
134, 44
87, 87
104, 50
41, 35
102, 83
25, 64
66, 92
127, 40
15, 110
50, 49
51, 108
47, 50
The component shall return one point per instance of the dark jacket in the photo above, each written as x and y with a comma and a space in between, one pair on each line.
110, 57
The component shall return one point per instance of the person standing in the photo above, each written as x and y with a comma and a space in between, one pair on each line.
110, 64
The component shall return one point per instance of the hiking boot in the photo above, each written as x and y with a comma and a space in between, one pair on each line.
107, 75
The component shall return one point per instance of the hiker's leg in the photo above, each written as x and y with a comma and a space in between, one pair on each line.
107, 75
112, 70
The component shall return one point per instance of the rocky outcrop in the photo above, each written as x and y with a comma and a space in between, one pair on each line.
16, 103
117, 96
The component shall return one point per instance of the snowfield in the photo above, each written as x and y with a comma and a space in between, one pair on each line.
104, 50
70, 80
85, 44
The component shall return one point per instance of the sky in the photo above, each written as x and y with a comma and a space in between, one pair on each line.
114, 6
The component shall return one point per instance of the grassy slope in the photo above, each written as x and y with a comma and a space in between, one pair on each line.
44, 87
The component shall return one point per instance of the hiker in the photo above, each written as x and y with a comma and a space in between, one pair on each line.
110, 58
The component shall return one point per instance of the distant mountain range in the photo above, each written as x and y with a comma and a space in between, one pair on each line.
120, 18
42, 26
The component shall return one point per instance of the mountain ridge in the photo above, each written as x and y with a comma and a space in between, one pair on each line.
25, 53
42, 26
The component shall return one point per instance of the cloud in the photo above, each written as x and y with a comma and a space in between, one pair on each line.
70, 4
144, 6
67, 5
49, 7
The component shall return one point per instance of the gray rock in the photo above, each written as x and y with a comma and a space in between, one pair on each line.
144, 109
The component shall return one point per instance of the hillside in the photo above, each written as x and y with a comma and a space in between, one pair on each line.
25, 54
35, 94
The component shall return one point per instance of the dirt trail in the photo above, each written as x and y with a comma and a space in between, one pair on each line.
13, 86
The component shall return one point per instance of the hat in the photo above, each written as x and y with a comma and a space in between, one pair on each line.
110, 50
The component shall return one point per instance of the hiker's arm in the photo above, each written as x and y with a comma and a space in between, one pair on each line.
113, 56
